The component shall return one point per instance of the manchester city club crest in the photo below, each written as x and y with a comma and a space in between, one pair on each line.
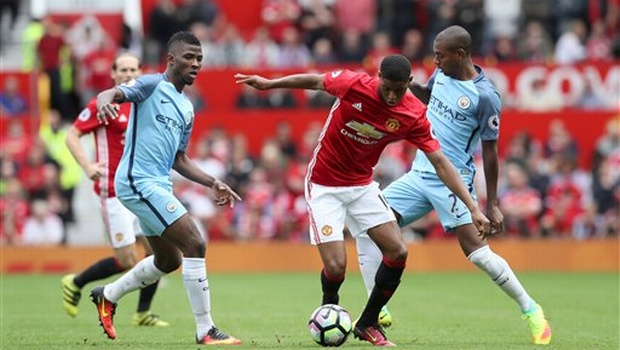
189, 116
171, 207
464, 102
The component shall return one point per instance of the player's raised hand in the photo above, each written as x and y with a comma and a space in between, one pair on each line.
482, 223
106, 112
255, 81
224, 194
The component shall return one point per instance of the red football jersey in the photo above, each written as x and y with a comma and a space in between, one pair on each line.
359, 127
109, 142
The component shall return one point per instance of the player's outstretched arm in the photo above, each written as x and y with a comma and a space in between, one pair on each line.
421, 92
490, 162
187, 168
448, 174
295, 81
107, 104
93, 170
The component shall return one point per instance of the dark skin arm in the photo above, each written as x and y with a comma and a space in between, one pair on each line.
188, 169
108, 104
295, 81
491, 173
421, 92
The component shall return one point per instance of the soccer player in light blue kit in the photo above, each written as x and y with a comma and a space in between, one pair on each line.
463, 108
160, 125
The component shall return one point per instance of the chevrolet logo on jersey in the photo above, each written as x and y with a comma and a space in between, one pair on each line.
365, 130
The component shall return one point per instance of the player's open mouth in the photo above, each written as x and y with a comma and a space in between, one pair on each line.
193, 74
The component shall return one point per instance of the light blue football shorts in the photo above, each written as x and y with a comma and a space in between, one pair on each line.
416, 193
154, 204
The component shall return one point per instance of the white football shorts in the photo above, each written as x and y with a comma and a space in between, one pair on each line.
330, 208
120, 224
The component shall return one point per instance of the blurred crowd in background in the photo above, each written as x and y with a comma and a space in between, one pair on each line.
544, 193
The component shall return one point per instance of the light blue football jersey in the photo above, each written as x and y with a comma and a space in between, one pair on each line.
160, 124
461, 113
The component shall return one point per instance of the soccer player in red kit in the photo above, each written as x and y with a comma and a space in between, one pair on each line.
121, 225
369, 113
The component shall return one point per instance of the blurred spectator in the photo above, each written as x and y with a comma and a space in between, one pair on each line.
290, 208
606, 197
608, 145
293, 52
212, 53
286, 142
357, 16
53, 132
566, 197
570, 48
8, 171
598, 45
13, 212
163, 23
94, 69
59, 201
381, 47
317, 20
319, 99
30, 40
261, 52
520, 203
232, 46
31, 173
503, 49
352, 47
442, 15
539, 98
471, 16
253, 218
567, 12
536, 45
323, 52
250, 98
591, 98
43, 227
12, 102
241, 163
560, 142
502, 18
16, 141
7, 27
197, 11
413, 46
278, 15
281, 99
49, 52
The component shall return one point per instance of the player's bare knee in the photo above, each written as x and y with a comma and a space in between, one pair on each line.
167, 263
336, 267
400, 253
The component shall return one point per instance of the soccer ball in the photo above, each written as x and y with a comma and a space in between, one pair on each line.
330, 325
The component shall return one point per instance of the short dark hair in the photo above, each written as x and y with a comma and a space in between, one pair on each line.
183, 37
396, 68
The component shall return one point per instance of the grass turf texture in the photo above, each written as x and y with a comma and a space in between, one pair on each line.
270, 311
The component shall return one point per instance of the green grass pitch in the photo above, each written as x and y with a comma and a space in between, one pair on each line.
455, 311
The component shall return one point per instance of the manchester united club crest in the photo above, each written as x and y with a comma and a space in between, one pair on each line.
392, 124
327, 230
